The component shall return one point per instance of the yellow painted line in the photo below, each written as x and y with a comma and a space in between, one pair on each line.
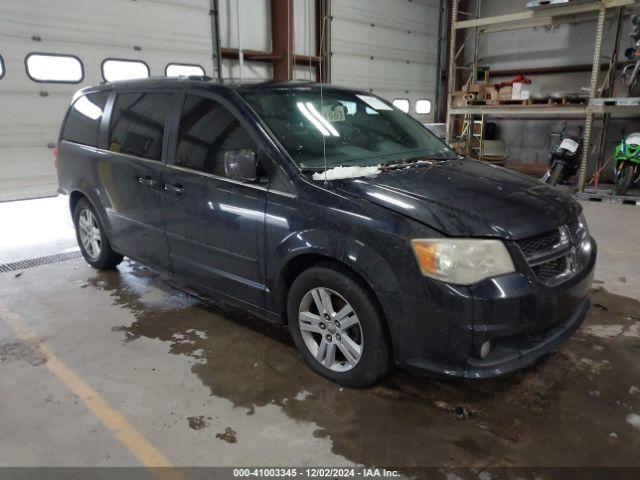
138, 445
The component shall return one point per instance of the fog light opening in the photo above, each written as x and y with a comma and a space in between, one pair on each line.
485, 349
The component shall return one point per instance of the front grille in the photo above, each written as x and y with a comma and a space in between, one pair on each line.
547, 272
540, 243
552, 255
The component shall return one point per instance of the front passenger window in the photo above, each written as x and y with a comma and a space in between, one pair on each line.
207, 132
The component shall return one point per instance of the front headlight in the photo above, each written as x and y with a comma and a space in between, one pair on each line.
462, 261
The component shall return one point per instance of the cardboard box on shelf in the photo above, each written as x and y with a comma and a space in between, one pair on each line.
491, 96
479, 89
505, 94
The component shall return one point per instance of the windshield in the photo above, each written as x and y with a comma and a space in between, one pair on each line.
357, 129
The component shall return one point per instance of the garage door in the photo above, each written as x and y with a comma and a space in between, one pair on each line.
389, 47
85, 32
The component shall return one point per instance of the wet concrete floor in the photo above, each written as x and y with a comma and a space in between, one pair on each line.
574, 408
570, 409
207, 385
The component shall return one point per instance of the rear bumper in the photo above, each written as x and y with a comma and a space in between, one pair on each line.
522, 318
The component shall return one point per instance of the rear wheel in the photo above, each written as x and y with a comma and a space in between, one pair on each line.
92, 238
625, 180
336, 326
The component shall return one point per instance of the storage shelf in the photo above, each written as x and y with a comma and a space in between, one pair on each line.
618, 111
552, 15
540, 18
521, 110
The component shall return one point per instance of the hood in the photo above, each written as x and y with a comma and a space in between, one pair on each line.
467, 198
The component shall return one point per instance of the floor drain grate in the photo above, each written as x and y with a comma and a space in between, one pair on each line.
35, 262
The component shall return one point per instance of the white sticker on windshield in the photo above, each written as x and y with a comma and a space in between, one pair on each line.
334, 113
569, 144
374, 102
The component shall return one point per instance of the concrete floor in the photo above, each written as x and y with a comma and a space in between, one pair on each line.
35, 228
121, 369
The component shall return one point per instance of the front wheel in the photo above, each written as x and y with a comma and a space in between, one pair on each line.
556, 174
634, 85
92, 238
625, 180
337, 326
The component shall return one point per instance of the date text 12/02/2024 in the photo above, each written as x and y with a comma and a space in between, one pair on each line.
314, 472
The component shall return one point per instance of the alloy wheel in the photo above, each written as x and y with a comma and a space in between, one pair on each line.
330, 329
90, 236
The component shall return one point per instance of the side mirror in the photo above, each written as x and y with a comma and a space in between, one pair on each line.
241, 165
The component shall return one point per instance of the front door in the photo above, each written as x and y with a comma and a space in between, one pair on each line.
131, 174
214, 224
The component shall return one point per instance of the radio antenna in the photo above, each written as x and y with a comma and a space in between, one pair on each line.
320, 64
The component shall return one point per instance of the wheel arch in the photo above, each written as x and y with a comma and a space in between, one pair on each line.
74, 198
300, 263
301, 250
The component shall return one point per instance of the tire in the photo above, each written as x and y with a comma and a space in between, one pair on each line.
627, 180
92, 238
556, 173
368, 333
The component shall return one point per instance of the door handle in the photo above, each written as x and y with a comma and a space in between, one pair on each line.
175, 188
146, 181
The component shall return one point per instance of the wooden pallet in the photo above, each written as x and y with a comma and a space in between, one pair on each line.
555, 102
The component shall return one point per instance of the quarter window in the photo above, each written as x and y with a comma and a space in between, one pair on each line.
423, 107
114, 70
183, 70
137, 124
207, 132
402, 104
83, 122
1, 67
46, 67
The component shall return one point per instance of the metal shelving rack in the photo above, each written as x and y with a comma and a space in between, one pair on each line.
555, 15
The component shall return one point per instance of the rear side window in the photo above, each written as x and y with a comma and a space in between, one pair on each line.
137, 124
207, 131
83, 121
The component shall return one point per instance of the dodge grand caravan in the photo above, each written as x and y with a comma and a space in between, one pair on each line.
329, 210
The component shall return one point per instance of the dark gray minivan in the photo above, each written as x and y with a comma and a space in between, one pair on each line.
329, 210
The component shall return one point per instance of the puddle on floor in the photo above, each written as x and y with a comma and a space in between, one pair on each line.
570, 409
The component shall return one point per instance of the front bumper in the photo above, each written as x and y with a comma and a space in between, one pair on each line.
523, 318
505, 359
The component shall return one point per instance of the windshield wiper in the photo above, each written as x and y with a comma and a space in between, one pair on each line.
410, 162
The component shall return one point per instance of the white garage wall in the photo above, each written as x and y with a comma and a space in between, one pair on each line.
31, 113
159, 32
388, 47
154, 31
